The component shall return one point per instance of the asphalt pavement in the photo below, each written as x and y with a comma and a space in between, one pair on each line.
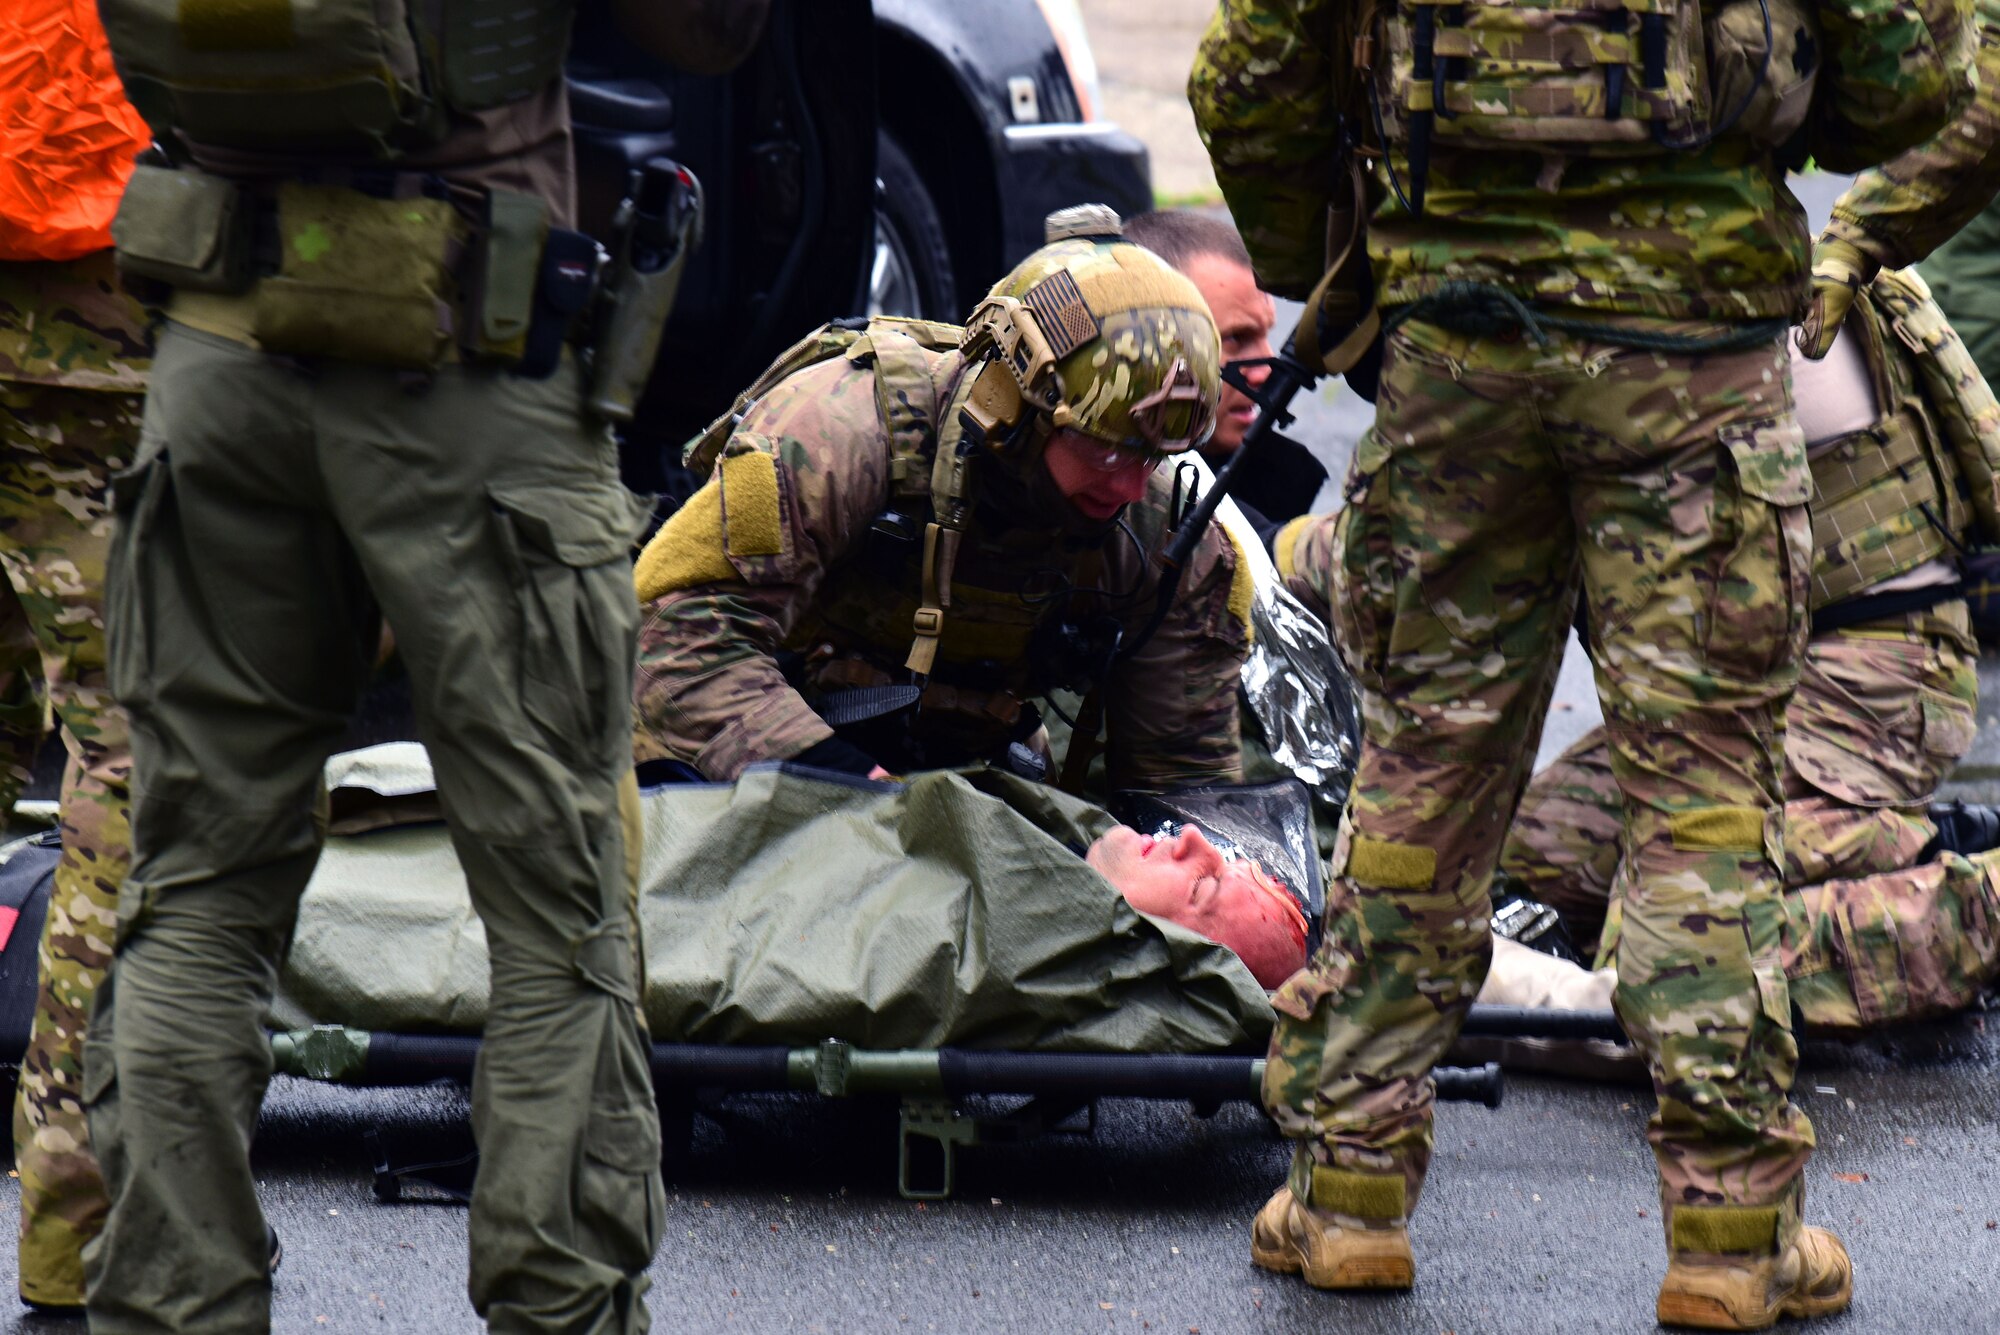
1540, 1216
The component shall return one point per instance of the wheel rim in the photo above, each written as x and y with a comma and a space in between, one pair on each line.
892, 277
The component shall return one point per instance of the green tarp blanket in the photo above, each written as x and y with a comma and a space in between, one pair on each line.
794, 906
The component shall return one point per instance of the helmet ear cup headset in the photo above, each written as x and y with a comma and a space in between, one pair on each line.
1090, 333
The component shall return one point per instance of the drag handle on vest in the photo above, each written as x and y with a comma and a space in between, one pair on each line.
655, 227
1273, 398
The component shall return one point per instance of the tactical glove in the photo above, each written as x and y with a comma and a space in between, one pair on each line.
1839, 271
843, 756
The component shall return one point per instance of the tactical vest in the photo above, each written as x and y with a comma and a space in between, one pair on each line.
370, 78
1894, 495
868, 603
1596, 77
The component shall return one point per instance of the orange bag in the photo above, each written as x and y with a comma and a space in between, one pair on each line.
67, 134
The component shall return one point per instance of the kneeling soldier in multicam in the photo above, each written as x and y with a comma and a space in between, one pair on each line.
1586, 261
910, 529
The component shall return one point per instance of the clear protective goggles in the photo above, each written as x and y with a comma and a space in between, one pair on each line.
1173, 419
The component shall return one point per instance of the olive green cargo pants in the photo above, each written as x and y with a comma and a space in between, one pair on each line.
278, 511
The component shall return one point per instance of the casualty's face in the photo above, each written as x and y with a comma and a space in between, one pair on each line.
1187, 880
1244, 316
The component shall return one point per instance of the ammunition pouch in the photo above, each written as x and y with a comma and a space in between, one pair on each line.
505, 273
348, 77
185, 229
362, 279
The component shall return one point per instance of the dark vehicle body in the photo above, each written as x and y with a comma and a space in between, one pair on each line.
894, 157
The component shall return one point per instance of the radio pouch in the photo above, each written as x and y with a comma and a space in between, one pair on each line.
563, 286
183, 228
361, 279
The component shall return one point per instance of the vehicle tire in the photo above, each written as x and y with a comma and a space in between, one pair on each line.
911, 273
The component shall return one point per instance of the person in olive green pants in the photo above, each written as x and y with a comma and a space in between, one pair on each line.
273, 510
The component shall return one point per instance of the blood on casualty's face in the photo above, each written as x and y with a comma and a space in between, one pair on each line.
1095, 476
1186, 879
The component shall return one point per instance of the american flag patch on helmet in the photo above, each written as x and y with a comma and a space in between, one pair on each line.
1061, 313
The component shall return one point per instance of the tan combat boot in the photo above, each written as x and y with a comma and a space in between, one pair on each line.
1812, 1277
1292, 1240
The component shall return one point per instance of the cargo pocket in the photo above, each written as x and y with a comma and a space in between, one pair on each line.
1949, 727
1757, 600
1916, 945
567, 555
138, 495
1362, 584
620, 1195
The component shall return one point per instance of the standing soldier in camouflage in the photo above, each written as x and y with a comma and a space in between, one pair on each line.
1896, 214
913, 529
1586, 265
73, 359
1930, 199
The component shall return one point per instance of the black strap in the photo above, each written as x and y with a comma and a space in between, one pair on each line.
1881, 606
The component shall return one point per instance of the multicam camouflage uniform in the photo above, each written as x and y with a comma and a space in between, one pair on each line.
73, 360
803, 581
1870, 935
1499, 470
1899, 212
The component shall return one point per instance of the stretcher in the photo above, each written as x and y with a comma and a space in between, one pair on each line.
931, 1085
935, 1088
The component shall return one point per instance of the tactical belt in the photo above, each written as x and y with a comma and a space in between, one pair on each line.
1884, 606
394, 269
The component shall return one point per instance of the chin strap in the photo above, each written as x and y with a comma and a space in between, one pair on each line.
940, 558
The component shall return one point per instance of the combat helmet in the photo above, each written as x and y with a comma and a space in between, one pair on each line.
1091, 333
1096, 334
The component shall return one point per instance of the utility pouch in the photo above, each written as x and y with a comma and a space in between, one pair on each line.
361, 279
184, 228
1763, 90
500, 302
563, 287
